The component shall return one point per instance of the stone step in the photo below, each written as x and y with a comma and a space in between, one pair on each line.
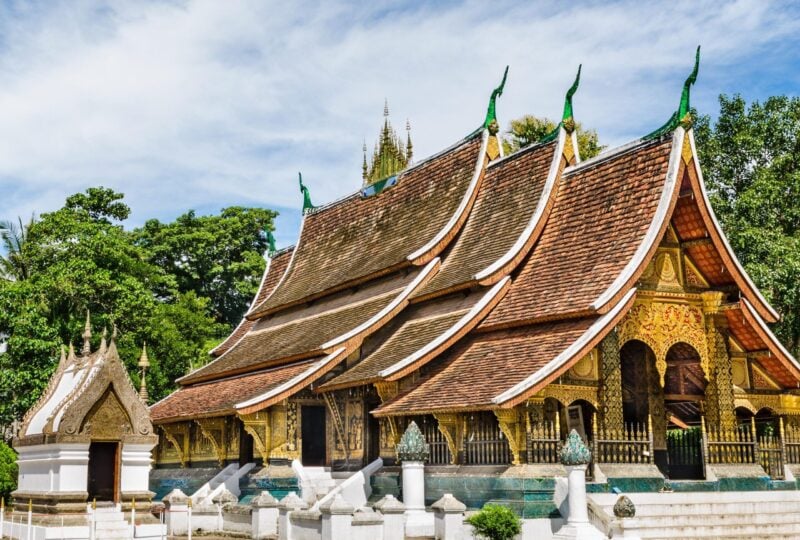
760, 531
753, 507
117, 516
110, 525
719, 520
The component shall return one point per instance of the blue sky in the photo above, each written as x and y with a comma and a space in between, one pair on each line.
203, 104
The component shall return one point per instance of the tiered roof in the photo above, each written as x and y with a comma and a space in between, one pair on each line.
495, 274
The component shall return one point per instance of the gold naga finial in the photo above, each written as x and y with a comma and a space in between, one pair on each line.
409, 146
144, 363
87, 335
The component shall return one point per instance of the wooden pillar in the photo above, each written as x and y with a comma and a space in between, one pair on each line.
611, 383
719, 406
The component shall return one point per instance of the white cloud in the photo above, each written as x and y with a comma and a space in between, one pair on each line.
207, 103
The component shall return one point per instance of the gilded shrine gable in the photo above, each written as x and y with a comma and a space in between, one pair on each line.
660, 325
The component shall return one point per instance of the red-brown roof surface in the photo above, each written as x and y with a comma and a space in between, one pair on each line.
601, 215
488, 366
506, 201
219, 397
360, 237
274, 272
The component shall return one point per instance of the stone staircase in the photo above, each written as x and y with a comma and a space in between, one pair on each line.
321, 480
110, 524
703, 515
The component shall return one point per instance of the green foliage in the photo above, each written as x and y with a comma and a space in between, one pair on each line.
751, 163
13, 265
80, 257
529, 129
495, 522
8, 471
217, 257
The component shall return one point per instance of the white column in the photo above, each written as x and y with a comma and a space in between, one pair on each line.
414, 486
575, 456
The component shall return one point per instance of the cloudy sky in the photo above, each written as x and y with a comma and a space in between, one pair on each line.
207, 103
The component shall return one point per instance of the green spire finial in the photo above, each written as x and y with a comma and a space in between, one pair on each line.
271, 242
307, 205
491, 115
571, 92
683, 108
681, 116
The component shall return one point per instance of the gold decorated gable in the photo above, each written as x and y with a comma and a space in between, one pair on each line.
107, 419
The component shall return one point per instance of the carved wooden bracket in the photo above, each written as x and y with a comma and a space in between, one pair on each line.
514, 429
178, 436
451, 426
387, 390
213, 429
257, 425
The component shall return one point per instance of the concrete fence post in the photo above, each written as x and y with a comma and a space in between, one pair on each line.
394, 517
625, 524
337, 519
448, 518
286, 506
264, 516
224, 498
30, 519
176, 512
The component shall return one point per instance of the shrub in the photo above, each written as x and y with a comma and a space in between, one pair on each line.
8, 470
496, 522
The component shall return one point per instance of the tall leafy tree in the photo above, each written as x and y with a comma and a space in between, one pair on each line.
530, 129
216, 257
13, 264
751, 164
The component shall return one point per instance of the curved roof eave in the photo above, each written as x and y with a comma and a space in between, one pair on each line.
740, 276
531, 233
772, 342
579, 348
435, 246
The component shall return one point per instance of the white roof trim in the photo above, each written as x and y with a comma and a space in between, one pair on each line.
411, 287
462, 206
291, 382
537, 215
769, 333
574, 138
450, 332
655, 224
288, 266
566, 355
251, 306
718, 228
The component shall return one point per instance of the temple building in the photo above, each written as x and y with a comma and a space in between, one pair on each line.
501, 301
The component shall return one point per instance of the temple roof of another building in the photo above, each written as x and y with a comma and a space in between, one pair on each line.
507, 200
219, 397
276, 266
602, 215
361, 237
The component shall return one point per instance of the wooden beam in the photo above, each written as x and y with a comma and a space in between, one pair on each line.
698, 242
683, 397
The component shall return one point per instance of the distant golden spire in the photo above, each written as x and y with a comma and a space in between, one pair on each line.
87, 335
391, 154
144, 363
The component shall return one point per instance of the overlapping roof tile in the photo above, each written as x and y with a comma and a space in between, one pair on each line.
600, 218
360, 237
506, 202
218, 397
487, 366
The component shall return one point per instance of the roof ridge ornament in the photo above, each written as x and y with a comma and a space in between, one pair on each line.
271, 249
490, 122
567, 119
307, 205
683, 116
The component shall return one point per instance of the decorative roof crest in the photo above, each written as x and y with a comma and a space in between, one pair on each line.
412, 445
574, 451
307, 205
567, 119
271, 242
490, 122
683, 116
87, 336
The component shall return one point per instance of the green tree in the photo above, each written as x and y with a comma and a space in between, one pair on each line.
8, 471
13, 265
751, 163
530, 129
495, 522
79, 257
216, 257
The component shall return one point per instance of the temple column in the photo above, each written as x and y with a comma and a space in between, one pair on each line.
719, 409
611, 383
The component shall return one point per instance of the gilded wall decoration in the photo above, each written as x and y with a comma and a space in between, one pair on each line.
611, 382
258, 426
213, 432
451, 425
513, 426
567, 393
585, 369
661, 325
739, 373
177, 435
